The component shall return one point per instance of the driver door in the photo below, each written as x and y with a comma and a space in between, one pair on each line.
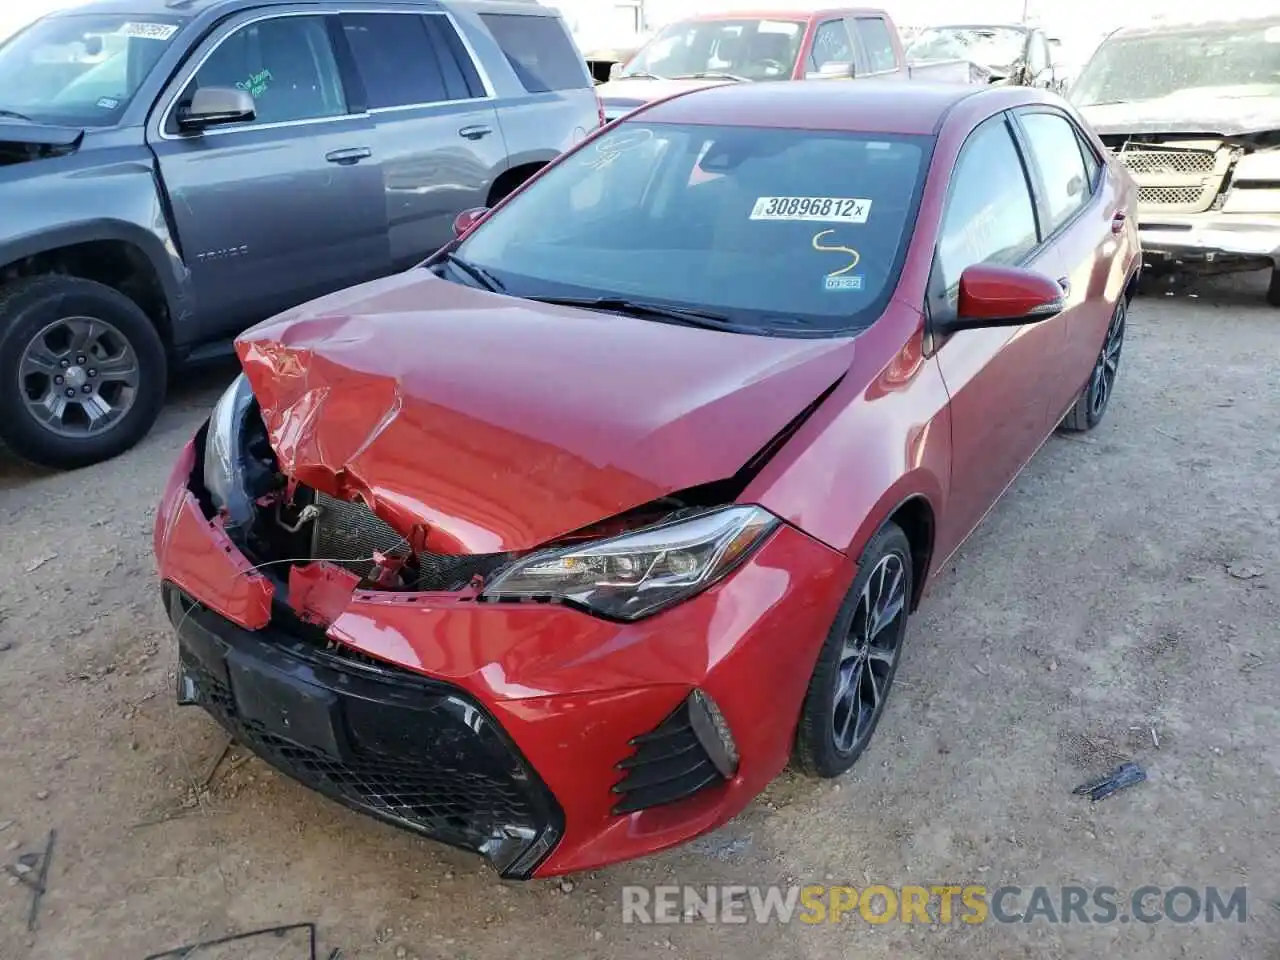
996, 378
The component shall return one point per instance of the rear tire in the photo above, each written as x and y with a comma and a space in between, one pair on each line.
1091, 405
856, 666
1273, 289
83, 371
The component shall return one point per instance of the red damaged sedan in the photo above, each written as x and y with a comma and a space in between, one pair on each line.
559, 546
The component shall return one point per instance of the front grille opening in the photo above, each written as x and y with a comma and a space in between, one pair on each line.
670, 763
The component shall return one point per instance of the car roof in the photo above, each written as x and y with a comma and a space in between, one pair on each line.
864, 106
1020, 27
189, 8
1178, 24
791, 14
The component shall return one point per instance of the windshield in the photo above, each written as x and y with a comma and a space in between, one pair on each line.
792, 232
1234, 60
751, 49
80, 70
988, 46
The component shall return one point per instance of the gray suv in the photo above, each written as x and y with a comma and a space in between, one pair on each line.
173, 172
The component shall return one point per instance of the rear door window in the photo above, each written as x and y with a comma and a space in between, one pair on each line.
539, 51
1055, 149
878, 43
396, 59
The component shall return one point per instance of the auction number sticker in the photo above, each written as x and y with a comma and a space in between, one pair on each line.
148, 31
812, 209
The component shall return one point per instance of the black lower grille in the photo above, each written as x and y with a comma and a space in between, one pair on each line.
668, 764
410, 751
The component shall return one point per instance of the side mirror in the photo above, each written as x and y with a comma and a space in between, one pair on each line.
215, 106
995, 296
615, 70
834, 70
467, 219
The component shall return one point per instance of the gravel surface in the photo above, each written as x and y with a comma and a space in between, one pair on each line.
1119, 603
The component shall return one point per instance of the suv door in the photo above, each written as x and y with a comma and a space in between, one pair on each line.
283, 208
995, 377
437, 130
1076, 218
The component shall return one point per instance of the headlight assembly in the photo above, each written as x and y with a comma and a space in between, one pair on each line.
224, 453
637, 574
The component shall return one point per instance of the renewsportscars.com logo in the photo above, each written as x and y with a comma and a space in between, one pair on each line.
934, 904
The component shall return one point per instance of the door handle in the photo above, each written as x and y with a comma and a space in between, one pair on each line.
349, 156
1118, 220
475, 132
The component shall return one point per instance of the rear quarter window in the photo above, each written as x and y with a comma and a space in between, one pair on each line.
539, 51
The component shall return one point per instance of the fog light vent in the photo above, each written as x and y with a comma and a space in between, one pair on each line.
689, 751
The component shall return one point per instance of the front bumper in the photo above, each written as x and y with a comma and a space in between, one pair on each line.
557, 701
1209, 240
418, 754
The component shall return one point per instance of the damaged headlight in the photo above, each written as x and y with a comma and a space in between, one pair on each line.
225, 453
637, 574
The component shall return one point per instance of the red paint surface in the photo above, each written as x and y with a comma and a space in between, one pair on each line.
991, 292
494, 424
321, 591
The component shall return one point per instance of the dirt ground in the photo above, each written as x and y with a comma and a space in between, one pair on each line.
1126, 584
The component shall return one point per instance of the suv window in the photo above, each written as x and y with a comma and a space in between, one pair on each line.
286, 64
830, 45
989, 216
1055, 149
539, 51
878, 44
396, 59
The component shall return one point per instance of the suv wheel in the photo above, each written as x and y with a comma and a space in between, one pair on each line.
82, 371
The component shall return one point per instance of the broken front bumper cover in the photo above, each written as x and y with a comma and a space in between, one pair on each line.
406, 749
1207, 239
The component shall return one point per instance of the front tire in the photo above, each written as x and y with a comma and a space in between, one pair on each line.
1091, 405
856, 666
83, 372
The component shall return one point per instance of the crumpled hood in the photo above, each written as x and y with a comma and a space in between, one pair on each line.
478, 423
639, 91
1205, 113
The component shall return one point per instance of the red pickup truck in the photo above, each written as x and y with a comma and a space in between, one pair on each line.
838, 44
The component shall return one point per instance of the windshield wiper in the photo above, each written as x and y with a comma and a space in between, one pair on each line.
636, 308
479, 274
16, 115
712, 75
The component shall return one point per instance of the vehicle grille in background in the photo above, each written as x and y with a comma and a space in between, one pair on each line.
349, 534
669, 764
1176, 181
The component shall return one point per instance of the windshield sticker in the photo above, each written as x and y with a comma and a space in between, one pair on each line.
257, 83
840, 279
108, 103
812, 209
610, 148
148, 31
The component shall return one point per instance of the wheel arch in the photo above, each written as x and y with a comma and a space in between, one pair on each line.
511, 178
916, 518
116, 253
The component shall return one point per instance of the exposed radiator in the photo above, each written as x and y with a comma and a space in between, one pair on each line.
349, 534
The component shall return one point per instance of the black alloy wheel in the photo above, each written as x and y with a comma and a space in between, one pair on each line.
855, 670
1091, 404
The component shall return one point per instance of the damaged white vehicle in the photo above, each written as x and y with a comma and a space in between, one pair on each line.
1193, 111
